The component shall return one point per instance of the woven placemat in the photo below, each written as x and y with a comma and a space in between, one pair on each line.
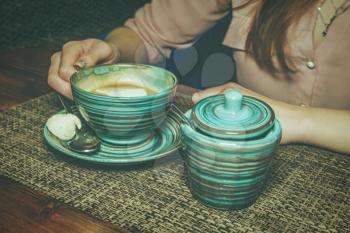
308, 189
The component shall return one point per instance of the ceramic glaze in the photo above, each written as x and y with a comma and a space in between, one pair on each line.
123, 120
232, 116
226, 171
164, 141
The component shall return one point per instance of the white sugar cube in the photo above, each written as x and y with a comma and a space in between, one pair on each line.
63, 126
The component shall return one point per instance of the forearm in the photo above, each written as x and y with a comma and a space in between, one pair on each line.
158, 27
321, 127
325, 128
128, 45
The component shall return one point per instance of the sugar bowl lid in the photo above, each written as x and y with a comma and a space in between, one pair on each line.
233, 116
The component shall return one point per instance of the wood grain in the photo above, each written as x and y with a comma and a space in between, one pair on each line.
23, 210
23, 75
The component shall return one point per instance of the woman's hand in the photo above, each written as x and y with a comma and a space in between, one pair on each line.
78, 54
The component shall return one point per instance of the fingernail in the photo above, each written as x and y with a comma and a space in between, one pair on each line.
80, 64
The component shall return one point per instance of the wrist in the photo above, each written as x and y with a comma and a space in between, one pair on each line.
294, 121
116, 54
303, 124
127, 45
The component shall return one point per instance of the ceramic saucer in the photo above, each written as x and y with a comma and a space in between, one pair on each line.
164, 141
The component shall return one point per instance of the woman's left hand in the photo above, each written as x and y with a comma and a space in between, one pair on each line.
290, 116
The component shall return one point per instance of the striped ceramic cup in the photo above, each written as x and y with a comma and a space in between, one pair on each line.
123, 103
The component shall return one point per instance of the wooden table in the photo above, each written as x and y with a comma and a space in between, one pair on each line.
23, 75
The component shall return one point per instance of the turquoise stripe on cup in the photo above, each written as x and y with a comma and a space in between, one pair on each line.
120, 119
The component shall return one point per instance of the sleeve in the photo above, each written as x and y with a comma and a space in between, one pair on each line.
167, 24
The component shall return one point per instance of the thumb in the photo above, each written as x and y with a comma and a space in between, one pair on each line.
101, 52
207, 92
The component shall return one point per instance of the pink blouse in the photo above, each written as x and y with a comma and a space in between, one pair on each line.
323, 76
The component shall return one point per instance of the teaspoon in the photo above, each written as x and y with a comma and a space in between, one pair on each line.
85, 140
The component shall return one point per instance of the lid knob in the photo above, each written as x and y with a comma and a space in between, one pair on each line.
233, 101
232, 116
232, 105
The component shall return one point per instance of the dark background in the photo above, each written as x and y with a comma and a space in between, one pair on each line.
49, 24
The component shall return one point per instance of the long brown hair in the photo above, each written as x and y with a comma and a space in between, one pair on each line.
268, 33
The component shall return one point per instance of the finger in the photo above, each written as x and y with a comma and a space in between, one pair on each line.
70, 53
99, 52
207, 92
54, 80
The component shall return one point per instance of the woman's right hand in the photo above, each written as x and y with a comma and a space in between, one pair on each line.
78, 54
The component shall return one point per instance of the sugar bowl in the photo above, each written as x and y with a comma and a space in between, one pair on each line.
228, 144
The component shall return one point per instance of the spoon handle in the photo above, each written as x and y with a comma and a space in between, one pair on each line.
67, 104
